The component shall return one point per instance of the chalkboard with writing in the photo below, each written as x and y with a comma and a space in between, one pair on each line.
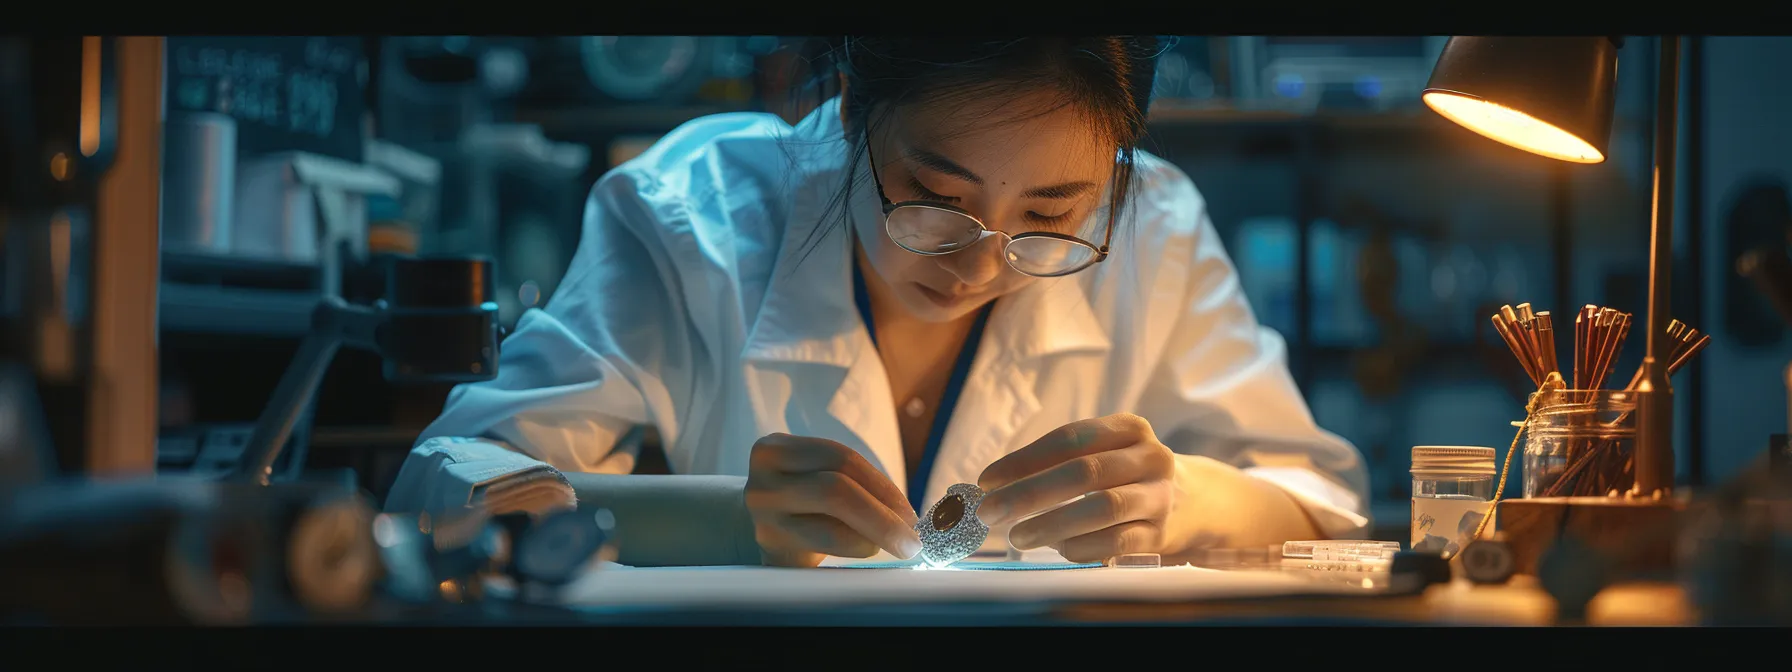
286, 93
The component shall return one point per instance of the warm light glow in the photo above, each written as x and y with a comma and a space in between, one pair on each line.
59, 165
1512, 127
90, 95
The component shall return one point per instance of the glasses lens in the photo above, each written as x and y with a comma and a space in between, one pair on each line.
925, 230
1047, 257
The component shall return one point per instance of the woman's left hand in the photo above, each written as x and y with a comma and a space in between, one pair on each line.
1125, 475
1137, 495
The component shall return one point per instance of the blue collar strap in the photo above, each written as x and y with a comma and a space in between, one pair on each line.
917, 478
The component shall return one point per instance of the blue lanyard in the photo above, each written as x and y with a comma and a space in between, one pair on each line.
917, 479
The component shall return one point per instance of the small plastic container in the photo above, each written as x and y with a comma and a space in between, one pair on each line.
1580, 443
1452, 490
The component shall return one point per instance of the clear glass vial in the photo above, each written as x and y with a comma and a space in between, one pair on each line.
1452, 490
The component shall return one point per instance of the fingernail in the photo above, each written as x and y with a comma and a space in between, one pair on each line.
908, 547
1019, 541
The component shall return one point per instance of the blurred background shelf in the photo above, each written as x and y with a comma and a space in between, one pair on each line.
204, 293
236, 310
586, 121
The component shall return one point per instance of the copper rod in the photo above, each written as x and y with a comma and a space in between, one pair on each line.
1505, 333
1581, 325
1546, 335
1522, 347
1611, 359
1533, 344
1687, 342
1608, 323
1596, 335
1690, 351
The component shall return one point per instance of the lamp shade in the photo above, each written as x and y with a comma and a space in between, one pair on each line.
1546, 95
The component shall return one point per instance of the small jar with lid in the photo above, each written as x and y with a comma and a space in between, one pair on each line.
1452, 490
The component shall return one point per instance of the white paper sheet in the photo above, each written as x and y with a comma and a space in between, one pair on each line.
758, 587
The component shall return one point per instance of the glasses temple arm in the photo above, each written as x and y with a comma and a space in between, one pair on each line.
871, 159
1109, 238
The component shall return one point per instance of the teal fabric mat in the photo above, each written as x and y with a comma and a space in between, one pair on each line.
981, 566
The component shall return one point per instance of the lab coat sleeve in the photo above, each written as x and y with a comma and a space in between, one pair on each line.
1222, 389
609, 352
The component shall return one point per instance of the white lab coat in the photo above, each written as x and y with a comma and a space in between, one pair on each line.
685, 308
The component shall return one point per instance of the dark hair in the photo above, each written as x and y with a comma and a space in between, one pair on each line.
1108, 79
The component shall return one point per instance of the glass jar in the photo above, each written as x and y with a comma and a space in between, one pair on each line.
1580, 443
1452, 490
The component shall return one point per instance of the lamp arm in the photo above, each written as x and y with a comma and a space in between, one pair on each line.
1655, 403
334, 323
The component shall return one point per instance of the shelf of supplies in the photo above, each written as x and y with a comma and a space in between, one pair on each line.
235, 310
358, 437
619, 119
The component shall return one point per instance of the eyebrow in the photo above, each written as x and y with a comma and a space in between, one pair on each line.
949, 167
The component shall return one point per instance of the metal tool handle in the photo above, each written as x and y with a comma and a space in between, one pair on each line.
334, 323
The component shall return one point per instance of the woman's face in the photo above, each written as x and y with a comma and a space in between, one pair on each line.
1012, 168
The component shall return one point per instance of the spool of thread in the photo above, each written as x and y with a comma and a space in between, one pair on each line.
198, 181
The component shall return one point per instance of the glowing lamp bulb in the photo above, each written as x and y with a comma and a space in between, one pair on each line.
1512, 127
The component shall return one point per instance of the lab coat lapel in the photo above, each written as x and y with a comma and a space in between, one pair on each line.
808, 320
1049, 318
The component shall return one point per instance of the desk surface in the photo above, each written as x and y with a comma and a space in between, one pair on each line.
1520, 603
730, 595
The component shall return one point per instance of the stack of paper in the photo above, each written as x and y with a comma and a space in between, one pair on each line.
450, 473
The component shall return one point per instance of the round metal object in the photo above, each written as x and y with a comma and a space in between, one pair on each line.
642, 67
554, 550
951, 530
331, 557
1488, 561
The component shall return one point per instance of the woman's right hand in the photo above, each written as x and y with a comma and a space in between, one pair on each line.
811, 498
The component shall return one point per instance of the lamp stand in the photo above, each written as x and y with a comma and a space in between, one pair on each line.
1655, 405
1616, 526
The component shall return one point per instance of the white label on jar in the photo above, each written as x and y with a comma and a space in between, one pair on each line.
1444, 524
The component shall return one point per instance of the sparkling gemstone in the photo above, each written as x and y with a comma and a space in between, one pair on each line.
950, 530
948, 512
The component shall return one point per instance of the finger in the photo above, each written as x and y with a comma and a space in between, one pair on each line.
804, 454
619, 462
833, 494
1094, 512
1098, 546
818, 534
1071, 441
1075, 477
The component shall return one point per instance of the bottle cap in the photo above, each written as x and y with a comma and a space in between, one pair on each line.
1452, 461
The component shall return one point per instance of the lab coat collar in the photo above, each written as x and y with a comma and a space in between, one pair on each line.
808, 315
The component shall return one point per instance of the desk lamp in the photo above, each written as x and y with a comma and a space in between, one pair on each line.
1552, 96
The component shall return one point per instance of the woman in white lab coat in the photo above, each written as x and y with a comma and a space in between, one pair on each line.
960, 270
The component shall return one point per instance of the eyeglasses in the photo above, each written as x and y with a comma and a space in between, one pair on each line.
931, 228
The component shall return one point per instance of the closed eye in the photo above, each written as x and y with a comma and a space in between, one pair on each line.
928, 194
1049, 220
